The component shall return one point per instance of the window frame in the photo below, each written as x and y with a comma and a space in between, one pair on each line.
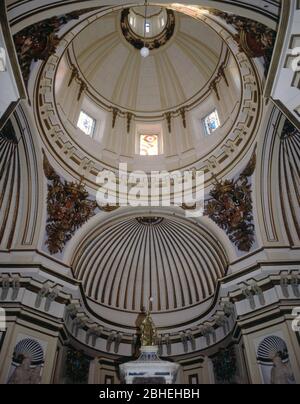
140, 135
91, 135
204, 122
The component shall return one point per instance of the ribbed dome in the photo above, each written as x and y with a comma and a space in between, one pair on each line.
271, 346
124, 264
31, 349
168, 78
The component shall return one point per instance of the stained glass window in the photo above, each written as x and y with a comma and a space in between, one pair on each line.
148, 145
86, 124
212, 122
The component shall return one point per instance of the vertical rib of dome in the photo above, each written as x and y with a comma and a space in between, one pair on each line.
124, 264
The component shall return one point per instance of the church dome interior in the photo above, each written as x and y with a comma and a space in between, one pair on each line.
149, 193
179, 266
126, 93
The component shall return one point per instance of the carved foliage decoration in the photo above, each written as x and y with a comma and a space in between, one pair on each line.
231, 208
68, 209
39, 41
254, 38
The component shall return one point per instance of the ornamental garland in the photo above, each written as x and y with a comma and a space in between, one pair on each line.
231, 208
69, 208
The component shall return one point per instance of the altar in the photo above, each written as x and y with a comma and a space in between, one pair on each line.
149, 368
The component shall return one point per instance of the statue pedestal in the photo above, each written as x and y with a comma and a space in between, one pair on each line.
149, 369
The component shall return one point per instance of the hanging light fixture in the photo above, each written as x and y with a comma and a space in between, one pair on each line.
145, 52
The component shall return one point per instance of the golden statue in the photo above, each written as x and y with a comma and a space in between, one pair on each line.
148, 330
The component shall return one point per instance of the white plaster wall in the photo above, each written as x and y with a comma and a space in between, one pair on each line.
8, 89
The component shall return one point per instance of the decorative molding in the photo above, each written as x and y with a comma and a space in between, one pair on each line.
74, 75
115, 113
168, 116
151, 43
241, 135
93, 334
182, 112
82, 88
254, 38
82, 85
222, 73
129, 117
109, 105
39, 41
207, 331
7, 282
214, 88
68, 209
10, 175
231, 208
289, 180
49, 293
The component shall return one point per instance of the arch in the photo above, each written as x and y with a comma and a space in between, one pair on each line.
270, 346
115, 274
31, 348
277, 186
20, 187
20, 18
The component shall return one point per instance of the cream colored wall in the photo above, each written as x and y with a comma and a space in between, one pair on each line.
99, 372
32, 225
203, 370
276, 208
282, 85
9, 90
